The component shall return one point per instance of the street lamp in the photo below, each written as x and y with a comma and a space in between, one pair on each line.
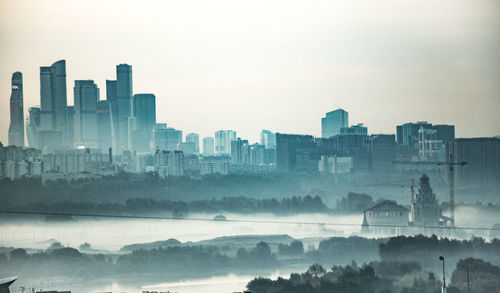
441, 258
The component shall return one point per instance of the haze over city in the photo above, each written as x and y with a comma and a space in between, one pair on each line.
249, 147
270, 65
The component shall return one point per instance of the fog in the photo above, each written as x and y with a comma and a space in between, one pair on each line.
111, 235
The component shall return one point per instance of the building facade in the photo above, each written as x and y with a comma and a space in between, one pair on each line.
195, 139
333, 122
482, 156
53, 105
86, 96
208, 146
124, 106
16, 127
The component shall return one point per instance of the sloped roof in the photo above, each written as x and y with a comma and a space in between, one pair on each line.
387, 205
5, 283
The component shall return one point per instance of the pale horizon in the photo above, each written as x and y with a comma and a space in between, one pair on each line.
279, 65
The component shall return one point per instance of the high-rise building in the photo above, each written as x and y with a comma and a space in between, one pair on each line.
145, 111
268, 139
86, 95
16, 128
333, 122
240, 152
166, 139
482, 155
429, 146
53, 101
33, 126
295, 153
354, 130
188, 148
112, 97
382, 152
208, 146
104, 125
257, 154
124, 105
71, 125
410, 142
195, 139
223, 139
145, 119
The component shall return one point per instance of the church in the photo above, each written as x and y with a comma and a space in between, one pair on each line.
424, 216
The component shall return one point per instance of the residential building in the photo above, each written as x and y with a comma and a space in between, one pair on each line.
223, 139
195, 139
208, 146
268, 139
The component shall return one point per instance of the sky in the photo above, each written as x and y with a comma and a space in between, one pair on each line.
269, 64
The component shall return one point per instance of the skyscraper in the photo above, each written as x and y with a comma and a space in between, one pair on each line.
145, 117
194, 138
71, 125
86, 94
223, 139
208, 146
124, 105
53, 101
333, 122
268, 139
16, 128
33, 126
111, 97
104, 125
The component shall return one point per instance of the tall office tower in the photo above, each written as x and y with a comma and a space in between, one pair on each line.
32, 127
104, 132
111, 97
71, 125
86, 94
53, 101
194, 138
268, 139
145, 117
145, 111
16, 128
208, 146
333, 122
223, 139
124, 105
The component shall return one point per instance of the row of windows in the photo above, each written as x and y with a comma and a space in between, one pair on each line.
387, 214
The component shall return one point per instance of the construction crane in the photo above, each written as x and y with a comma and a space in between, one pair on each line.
451, 164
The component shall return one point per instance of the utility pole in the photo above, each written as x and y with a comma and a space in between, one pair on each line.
468, 284
441, 258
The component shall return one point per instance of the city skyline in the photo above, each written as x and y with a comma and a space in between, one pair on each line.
418, 81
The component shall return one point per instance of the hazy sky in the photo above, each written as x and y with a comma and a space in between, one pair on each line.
278, 65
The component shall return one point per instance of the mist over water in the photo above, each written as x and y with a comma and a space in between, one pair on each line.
113, 234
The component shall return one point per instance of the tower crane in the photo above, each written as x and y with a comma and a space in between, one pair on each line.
451, 163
